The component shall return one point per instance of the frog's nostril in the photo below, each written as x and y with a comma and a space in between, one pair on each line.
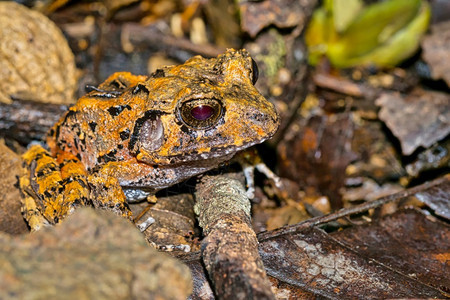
258, 118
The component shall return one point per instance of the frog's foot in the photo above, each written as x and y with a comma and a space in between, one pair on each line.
50, 191
106, 193
30, 211
250, 160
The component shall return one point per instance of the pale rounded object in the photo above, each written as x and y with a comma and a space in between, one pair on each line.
36, 62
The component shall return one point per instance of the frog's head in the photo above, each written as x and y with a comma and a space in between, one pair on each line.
207, 109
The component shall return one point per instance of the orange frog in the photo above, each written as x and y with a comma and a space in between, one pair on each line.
135, 135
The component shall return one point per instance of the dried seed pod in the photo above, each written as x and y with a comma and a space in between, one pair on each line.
36, 62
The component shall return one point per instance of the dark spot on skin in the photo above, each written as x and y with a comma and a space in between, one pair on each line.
67, 161
118, 84
158, 73
124, 134
46, 170
69, 114
116, 110
51, 132
120, 146
141, 88
110, 156
41, 155
47, 194
78, 156
93, 125
81, 182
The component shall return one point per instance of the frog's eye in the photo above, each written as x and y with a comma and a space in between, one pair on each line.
200, 113
255, 72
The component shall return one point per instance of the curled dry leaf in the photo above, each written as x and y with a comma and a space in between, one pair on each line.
36, 62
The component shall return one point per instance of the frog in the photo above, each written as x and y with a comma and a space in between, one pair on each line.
134, 135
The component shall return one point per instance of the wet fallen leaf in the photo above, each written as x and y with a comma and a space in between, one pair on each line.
408, 242
315, 262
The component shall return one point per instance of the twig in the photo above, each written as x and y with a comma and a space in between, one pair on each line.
230, 248
150, 36
25, 121
344, 86
344, 212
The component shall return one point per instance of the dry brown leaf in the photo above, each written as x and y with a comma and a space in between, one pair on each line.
436, 51
419, 119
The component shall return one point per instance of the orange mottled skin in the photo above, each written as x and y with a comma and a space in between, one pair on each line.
146, 133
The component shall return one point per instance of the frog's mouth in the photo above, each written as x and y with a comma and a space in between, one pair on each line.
218, 154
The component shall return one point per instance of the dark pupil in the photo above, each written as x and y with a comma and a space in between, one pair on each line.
202, 112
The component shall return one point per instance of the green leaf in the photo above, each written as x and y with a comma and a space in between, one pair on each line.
344, 12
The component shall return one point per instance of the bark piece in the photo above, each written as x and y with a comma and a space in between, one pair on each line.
27, 121
230, 248
92, 255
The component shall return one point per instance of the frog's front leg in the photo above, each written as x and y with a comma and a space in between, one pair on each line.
106, 193
51, 189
